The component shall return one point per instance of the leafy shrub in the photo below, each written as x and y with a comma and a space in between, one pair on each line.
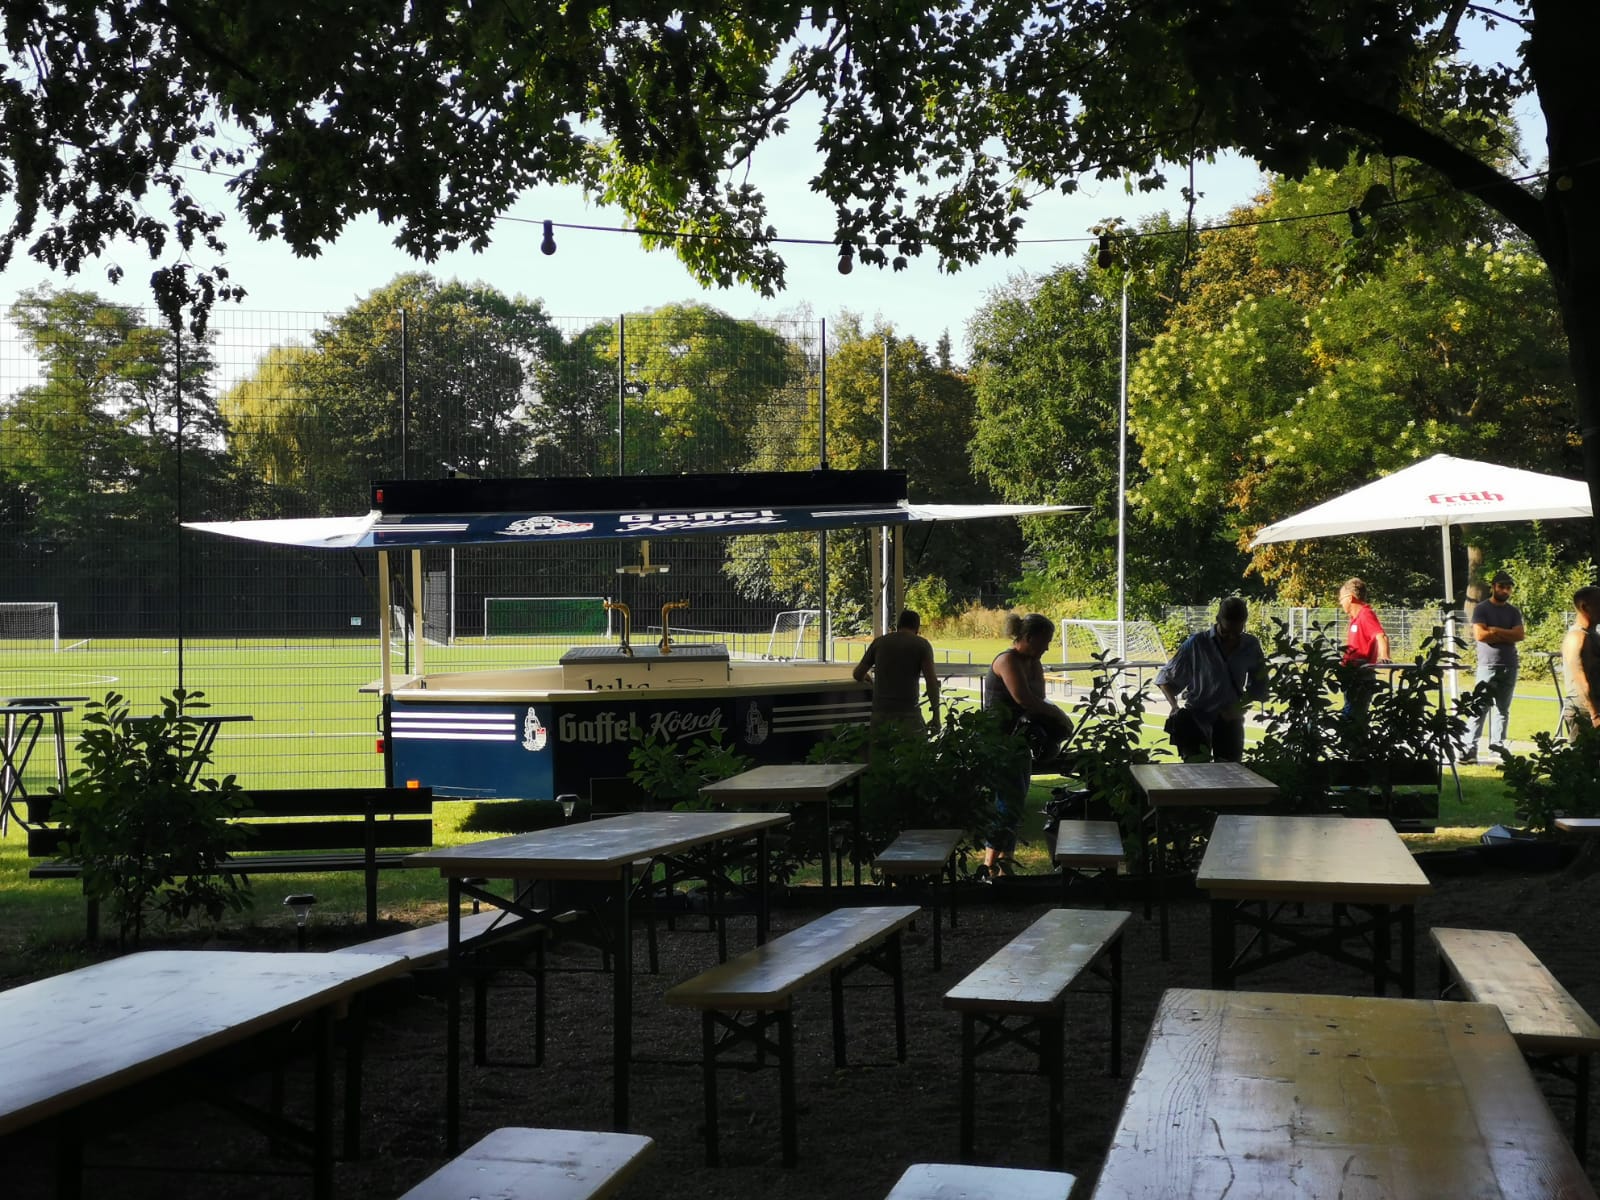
1405, 721
1107, 736
945, 781
1559, 779
147, 832
673, 773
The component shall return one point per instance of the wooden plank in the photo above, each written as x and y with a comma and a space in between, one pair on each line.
766, 977
1088, 844
430, 943
594, 849
1265, 1094
951, 1181
1030, 973
337, 802
1312, 859
552, 1164
269, 835
918, 851
1204, 785
795, 782
1497, 968
85, 1033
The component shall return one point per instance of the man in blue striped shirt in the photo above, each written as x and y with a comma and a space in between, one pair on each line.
1218, 672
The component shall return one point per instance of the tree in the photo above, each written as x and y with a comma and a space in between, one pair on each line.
92, 450
1317, 361
939, 124
1047, 366
930, 422
698, 383
326, 420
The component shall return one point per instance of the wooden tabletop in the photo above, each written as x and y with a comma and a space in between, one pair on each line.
1205, 785
954, 1181
1337, 859
1274, 1094
1029, 973
1584, 825
784, 781
594, 849
552, 1164
72, 1037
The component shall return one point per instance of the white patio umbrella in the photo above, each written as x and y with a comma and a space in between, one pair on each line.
1442, 491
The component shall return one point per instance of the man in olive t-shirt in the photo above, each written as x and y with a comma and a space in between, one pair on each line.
895, 660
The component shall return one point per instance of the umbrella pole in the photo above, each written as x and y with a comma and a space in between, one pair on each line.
1449, 605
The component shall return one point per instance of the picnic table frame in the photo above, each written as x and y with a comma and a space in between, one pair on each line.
1284, 862
77, 1038
609, 851
1264, 1094
1196, 787
21, 725
800, 783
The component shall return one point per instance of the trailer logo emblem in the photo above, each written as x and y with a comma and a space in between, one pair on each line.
534, 734
540, 526
756, 726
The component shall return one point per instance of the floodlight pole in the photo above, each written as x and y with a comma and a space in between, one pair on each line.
1122, 483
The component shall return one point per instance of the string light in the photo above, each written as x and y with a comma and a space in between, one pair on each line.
548, 246
847, 261
1357, 229
1104, 259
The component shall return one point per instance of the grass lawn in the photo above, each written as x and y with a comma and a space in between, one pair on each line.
313, 726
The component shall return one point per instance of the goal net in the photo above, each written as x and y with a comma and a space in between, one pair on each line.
30, 625
546, 617
796, 634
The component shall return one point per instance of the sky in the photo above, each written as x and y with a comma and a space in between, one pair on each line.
596, 275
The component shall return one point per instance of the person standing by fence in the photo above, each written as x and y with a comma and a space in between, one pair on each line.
1366, 646
1218, 671
1496, 628
1580, 656
896, 660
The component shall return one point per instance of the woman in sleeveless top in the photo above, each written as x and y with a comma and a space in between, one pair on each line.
1580, 660
1014, 687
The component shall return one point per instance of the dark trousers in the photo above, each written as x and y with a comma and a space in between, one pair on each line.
1188, 736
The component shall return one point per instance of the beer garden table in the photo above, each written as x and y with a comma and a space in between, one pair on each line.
1278, 1094
74, 1039
606, 850
1196, 787
1288, 861
799, 783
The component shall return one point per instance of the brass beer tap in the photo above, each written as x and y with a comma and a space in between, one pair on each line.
665, 644
627, 625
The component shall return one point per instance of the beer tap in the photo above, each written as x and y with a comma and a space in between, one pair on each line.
627, 625
665, 644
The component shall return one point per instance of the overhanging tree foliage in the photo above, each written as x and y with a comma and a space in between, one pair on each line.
939, 122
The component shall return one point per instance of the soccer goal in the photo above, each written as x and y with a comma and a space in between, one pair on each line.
435, 630
546, 617
791, 632
30, 625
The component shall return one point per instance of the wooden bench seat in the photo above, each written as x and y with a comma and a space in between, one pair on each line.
947, 1181
290, 831
1017, 996
1549, 1025
552, 1164
924, 854
1085, 847
762, 983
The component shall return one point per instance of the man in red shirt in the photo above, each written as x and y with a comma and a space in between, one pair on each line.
1366, 644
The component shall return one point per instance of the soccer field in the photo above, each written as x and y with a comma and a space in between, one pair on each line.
311, 723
